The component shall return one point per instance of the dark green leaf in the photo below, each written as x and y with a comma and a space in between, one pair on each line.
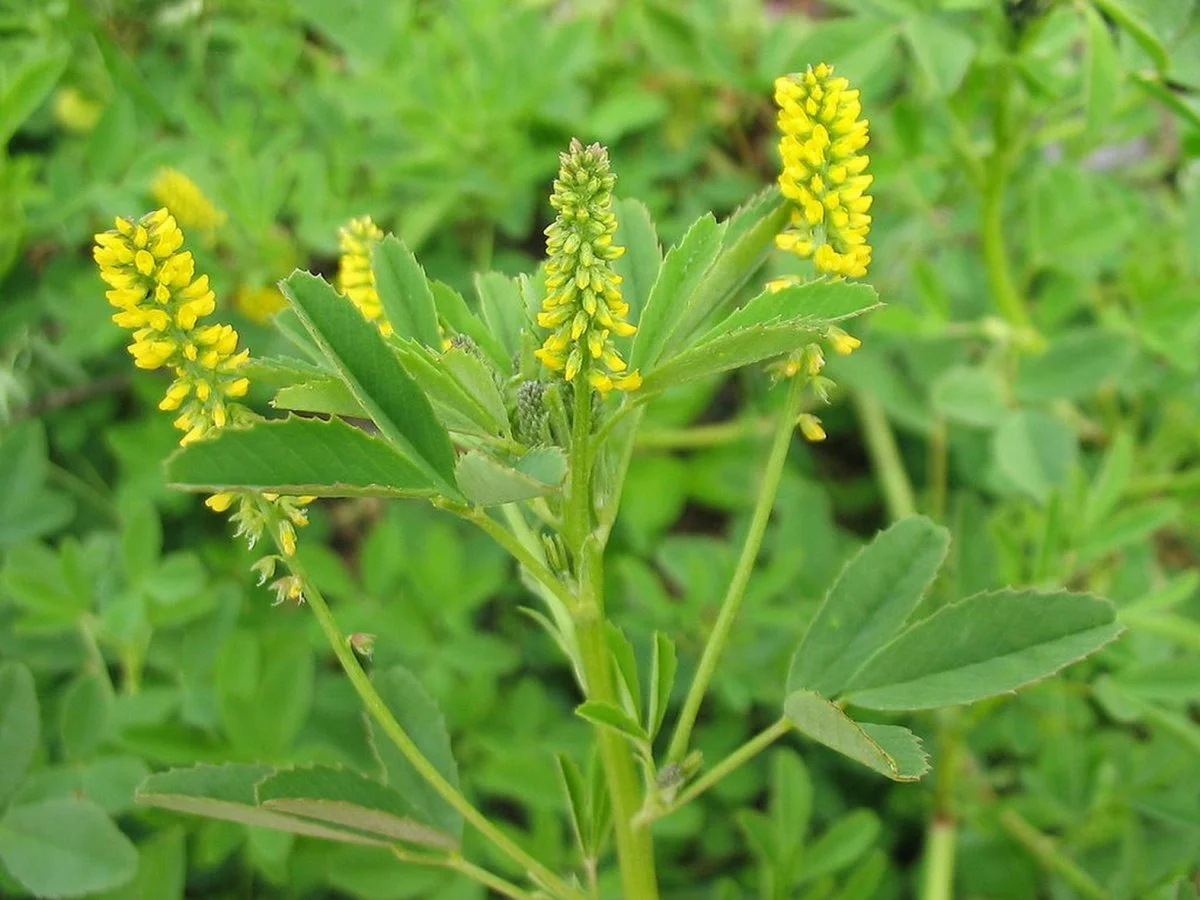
770, 325
454, 310
418, 714
1035, 451
374, 376
488, 482
1129, 22
970, 395
298, 456
984, 645
503, 309
876, 592
1102, 81
899, 756
642, 261
20, 726
228, 792
404, 292
83, 716
344, 798
65, 848
663, 664
682, 270
606, 715
1075, 366
328, 396
26, 85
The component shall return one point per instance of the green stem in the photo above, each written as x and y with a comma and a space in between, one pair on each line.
1047, 853
716, 434
635, 848
379, 711
938, 882
734, 760
459, 864
885, 458
1004, 291
741, 576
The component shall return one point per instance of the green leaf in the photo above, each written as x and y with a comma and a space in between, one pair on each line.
748, 240
1129, 22
1035, 451
20, 726
768, 326
682, 270
27, 508
981, 646
887, 749
606, 715
1109, 486
24, 89
328, 396
83, 716
454, 310
942, 51
477, 382
344, 798
867, 605
846, 841
298, 456
640, 265
1075, 366
577, 801
487, 482
1102, 79
503, 309
65, 848
228, 792
404, 292
456, 407
626, 670
970, 395
663, 663
374, 375
419, 716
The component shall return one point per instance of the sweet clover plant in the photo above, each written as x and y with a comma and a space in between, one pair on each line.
519, 416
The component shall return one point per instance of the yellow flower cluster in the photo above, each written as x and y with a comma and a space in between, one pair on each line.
154, 286
824, 171
185, 201
583, 305
160, 298
355, 278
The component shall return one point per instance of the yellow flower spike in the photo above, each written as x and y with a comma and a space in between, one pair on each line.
355, 278
583, 308
162, 300
187, 203
823, 171
810, 427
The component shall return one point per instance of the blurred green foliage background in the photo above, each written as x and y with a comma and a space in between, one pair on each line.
1033, 383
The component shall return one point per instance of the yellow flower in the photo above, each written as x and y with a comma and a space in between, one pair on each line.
810, 427
842, 343
186, 202
583, 308
154, 285
824, 171
258, 303
74, 111
356, 239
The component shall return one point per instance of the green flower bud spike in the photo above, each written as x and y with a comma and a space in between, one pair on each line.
583, 308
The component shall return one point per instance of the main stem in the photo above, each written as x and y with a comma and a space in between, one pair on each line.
635, 847
378, 710
741, 575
